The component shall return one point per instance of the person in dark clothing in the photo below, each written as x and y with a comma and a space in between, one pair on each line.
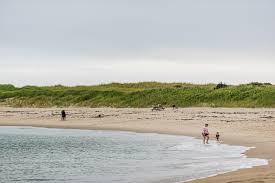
63, 115
218, 137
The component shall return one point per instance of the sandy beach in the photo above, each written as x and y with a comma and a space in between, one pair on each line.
238, 126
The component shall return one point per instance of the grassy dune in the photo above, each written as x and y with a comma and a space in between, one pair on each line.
145, 94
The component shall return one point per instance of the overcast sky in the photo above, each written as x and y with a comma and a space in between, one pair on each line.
73, 42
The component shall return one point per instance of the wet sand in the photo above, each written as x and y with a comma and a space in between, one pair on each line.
238, 126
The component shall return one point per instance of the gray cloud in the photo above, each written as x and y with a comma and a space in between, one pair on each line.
54, 34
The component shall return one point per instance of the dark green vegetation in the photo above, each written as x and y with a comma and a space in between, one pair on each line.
145, 94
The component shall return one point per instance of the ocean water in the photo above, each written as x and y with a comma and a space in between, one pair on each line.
80, 156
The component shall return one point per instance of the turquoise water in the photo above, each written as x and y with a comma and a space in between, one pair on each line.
80, 156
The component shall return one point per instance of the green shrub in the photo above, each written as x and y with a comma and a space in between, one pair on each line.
144, 94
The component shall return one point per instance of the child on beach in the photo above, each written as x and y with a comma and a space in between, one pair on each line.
205, 134
218, 137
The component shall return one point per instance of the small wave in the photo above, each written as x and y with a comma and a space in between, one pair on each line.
107, 156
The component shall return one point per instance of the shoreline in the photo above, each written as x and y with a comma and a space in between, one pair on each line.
250, 134
191, 180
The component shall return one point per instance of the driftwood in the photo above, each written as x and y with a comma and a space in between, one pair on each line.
158, 108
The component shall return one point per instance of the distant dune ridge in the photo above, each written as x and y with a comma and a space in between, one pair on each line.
143, 94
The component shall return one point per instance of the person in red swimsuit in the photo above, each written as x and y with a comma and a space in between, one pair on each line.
205, 134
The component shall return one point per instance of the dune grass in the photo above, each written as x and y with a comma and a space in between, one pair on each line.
144, 94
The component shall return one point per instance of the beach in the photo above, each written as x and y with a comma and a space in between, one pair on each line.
238, 126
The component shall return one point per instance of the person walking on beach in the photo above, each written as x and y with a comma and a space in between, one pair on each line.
63, 115
218, 137
205, 134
